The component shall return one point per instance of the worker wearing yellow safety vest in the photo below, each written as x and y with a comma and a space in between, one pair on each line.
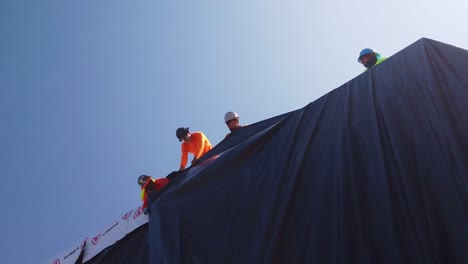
369, 58
149, 187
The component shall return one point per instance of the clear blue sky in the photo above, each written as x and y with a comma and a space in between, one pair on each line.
91, 92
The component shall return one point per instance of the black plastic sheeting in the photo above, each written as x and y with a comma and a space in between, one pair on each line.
373, 172
132, 249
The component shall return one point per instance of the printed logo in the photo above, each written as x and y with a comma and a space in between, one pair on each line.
127, 215
138, 212
56, 261
96, 239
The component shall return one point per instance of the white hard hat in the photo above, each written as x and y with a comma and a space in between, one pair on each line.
230, 115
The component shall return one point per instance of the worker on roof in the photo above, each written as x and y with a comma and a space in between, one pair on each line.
196, 143
369, 58
149, 187
232, 122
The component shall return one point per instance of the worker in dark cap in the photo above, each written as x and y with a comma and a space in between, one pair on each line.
196, 143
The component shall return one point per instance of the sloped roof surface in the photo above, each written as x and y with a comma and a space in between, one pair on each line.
373, 172
133, 248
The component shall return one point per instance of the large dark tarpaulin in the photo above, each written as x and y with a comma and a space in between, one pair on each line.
376, 171
132, 249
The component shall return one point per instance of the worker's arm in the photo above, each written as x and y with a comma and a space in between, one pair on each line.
184, 156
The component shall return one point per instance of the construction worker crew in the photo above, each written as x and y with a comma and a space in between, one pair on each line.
232, 121
196, 143
149, 187
369, 58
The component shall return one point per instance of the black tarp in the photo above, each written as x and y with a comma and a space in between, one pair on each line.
132, 249
373, 172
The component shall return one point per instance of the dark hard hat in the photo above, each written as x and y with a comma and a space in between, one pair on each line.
142, 179
181, 132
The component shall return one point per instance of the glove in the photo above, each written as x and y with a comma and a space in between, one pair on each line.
145, 211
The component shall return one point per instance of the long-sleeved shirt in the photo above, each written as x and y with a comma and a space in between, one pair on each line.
198, 146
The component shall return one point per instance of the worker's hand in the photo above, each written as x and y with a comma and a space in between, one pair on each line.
194, 161
145, 211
